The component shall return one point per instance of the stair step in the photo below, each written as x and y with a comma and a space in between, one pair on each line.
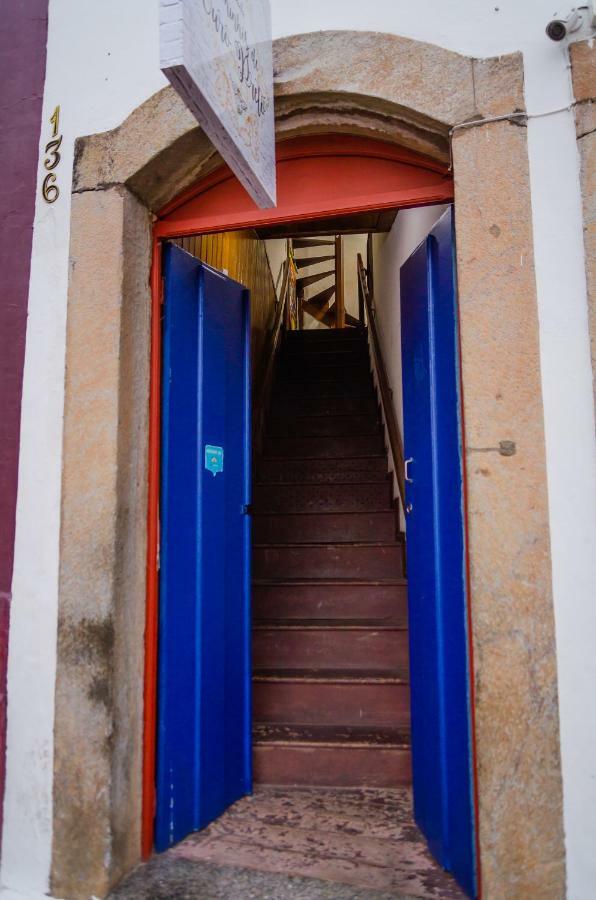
376, 601
338, 353
322, 426
336, 646
297, 243
322, 498
329, 349
303, 262
309, 335
327, 406
323, 471
331, 755
285, 391
347, 561
325, 447
295, 528
338, 623
357, 373
331, 735
332, 698
339, 765
323, 361
319, 305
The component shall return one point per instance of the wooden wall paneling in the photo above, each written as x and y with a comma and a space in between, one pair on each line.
243, 255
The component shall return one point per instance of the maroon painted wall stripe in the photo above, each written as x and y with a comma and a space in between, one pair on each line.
23, 38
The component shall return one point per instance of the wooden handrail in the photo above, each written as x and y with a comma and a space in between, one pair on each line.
395, 440
268, 365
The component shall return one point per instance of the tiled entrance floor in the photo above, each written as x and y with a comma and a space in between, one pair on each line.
300, 844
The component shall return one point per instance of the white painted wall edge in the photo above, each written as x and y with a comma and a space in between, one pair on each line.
571, 474
27, 831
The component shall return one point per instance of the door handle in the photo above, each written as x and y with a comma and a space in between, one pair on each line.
406, 464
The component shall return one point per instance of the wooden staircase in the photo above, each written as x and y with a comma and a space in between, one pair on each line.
330, 642
326, 306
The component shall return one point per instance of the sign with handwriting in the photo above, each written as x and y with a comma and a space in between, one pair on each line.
217, 55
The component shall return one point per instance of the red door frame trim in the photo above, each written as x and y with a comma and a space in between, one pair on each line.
151, 611
428, 196
313, 148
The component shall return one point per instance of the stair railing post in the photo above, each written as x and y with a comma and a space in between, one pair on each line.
340, 318
361, 306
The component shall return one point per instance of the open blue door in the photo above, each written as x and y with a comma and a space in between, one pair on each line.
204, 721
439, 669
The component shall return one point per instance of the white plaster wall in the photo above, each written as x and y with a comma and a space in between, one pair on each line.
389, 254
276, 254
353, 244
98, 72
102, 62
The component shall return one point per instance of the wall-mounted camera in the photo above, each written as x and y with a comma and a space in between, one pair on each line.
561, 27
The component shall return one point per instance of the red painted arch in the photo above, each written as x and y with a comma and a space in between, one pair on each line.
317, 177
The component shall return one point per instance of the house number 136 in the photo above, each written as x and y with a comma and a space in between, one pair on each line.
49, 189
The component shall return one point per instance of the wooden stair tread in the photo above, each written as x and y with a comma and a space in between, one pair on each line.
329, 513
322, 415
273, 484
331, 735
370, 582
328, 459
306, 280
353, 544
299, 243
337, 624
303, 262
341, 676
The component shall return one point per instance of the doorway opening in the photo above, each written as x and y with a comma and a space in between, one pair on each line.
329, 509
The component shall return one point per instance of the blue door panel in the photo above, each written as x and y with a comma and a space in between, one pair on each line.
424, 647
441, 737
204, 629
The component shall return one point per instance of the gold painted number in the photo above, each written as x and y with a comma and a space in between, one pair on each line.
55, 121
49, 189
52, 148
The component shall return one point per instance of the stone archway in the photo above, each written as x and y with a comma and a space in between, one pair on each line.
412, 94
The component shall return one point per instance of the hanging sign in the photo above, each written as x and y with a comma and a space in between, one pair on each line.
217, 56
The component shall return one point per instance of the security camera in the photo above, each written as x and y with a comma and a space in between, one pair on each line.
562, 26
558, 29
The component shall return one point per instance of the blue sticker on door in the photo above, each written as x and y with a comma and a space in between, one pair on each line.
213, 459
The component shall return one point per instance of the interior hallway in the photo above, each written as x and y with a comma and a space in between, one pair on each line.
300, 844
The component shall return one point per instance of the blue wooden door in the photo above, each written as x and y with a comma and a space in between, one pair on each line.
439, 670
204, 742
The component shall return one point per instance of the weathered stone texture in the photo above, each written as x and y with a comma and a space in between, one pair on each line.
99, 686
517, 734
426, 81
171, 155
499, 85
583, 68
324, 81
